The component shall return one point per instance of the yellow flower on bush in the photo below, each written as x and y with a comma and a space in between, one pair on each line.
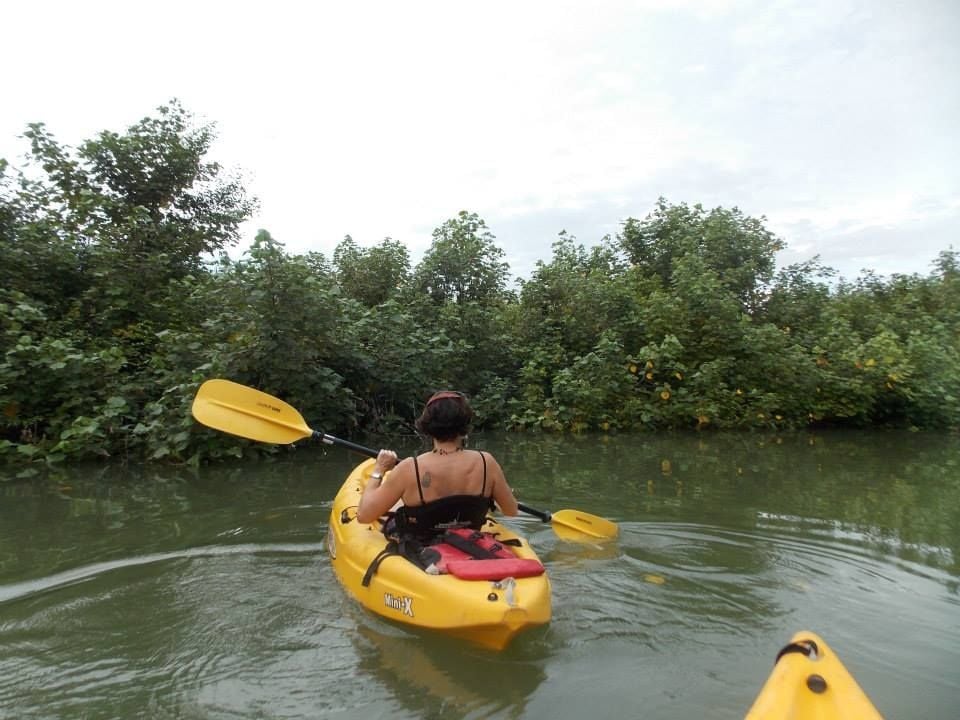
870, 362
649, 376
665, 395
678, 375
633, 368
649, 365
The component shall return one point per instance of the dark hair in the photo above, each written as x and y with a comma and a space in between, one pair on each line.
446, 416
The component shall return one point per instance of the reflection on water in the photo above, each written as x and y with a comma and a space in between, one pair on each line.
158, 592
898, 488
429, 676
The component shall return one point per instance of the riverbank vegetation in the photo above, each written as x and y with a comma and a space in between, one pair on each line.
117, 299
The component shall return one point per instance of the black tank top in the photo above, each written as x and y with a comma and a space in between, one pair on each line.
444, 513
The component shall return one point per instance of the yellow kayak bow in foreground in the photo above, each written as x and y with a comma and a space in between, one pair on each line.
809, 682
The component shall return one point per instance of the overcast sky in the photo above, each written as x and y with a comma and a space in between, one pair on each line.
838, 120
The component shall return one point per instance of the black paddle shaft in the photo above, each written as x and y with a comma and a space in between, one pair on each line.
331, 440
542, 514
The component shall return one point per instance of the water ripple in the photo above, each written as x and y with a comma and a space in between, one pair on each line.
665, 582
16, 591
263, 630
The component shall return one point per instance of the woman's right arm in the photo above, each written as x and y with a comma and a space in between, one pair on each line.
379, 496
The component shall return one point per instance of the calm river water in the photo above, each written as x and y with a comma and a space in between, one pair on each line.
131, 592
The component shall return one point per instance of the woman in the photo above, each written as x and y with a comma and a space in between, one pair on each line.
445, 487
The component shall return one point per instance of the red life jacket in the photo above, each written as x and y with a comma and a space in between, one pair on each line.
473, 555
461, 552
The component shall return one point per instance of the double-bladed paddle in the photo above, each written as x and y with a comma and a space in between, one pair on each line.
240, 410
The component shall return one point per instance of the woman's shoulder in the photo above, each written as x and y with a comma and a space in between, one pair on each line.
415, 461
405, 466
490, 460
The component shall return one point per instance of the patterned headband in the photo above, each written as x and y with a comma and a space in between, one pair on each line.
443, 395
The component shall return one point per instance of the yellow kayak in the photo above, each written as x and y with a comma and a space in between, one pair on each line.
487, 612
809, 682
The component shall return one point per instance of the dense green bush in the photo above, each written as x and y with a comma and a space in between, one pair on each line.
117, 301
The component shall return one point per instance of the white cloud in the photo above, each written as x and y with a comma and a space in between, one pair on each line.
377, 119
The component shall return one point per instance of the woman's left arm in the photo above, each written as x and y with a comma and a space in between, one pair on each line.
502, 492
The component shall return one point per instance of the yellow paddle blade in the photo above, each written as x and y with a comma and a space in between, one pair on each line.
575, 536
584, 523
240, 410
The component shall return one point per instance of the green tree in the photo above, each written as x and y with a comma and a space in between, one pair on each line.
92, 242
735, 246
798, 298
372, 275
459, 292
122, 215
578, 295
463, 263
569, 305
290, 331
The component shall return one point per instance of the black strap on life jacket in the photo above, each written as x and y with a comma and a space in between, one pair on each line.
470, 546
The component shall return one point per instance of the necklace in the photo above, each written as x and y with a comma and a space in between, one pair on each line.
444, 451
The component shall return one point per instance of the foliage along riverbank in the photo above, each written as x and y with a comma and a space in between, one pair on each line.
112, 314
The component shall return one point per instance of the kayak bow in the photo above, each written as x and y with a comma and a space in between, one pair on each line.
809, 682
